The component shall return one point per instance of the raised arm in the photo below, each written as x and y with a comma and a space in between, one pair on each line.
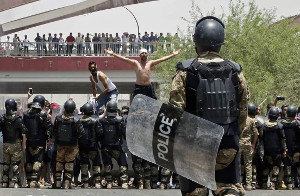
127, 60
157, 61
93, 87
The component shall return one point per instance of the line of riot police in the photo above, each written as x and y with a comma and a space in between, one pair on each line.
86, 135
71, 136
270, 146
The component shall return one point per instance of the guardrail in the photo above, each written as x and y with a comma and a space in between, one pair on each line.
81, 49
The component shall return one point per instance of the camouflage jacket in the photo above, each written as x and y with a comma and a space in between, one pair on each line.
249, 131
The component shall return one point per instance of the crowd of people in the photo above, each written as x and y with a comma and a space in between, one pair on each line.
84, 45
208, 86
57, 143
270, 146
78, 142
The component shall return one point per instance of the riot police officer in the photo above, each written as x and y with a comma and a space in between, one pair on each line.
66, 131
12, 127
257, 160
40, 99
88, 145
111, 145
39, 126
247, 146
124, 114
209, 77
291, 129
274, 147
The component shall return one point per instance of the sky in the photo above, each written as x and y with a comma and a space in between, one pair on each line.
160, 16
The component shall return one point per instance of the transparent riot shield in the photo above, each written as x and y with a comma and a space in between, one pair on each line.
261, 119
55, 112
174, 139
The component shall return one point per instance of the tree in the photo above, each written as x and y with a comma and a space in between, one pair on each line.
268, 52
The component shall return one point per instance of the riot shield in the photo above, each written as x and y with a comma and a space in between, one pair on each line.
55, 112
261, 119
260, 146
174, 139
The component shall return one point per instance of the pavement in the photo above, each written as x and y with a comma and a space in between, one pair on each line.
130, 192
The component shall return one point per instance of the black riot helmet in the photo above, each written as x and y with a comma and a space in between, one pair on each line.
47, 104
209, 34
112, 107
41, 99
11, 105
291, 111
69, 106
273, 114
125, 109
252, 108
87, 109
36, 105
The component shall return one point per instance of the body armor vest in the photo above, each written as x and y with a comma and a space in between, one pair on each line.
292, 135
10, 131
258, 124
213, 88
66, 133
37, 133
272, 139
111, 131
90, 137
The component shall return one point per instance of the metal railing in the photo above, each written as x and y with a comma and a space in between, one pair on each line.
81, 49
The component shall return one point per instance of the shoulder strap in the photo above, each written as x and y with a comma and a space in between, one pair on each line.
184, 65
236, 66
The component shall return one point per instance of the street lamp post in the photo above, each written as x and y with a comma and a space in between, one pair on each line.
135, 20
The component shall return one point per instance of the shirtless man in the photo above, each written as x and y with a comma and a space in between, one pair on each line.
142, 70
145, 172
109, 90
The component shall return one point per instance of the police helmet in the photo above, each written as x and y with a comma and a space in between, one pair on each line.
112, 107
125, 109
252, 108
11, 105
36, 105
209, 34
41, 99
69, 106
47, 103
87, 109
291, 111
273, 113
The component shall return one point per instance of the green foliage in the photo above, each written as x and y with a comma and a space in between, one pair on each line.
268, 52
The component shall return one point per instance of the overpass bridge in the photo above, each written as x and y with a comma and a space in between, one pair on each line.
62, 75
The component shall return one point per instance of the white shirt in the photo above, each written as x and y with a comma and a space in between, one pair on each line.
111, 85
25, 42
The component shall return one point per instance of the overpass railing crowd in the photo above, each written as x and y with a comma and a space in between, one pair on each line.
83, 49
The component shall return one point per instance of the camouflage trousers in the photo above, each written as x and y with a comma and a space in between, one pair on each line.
165, 176
85, 156
34, 162
271, 165
224, 189
117, 153
144, 170
247, 153
65, 162
12, 156
289, 161
190, 188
